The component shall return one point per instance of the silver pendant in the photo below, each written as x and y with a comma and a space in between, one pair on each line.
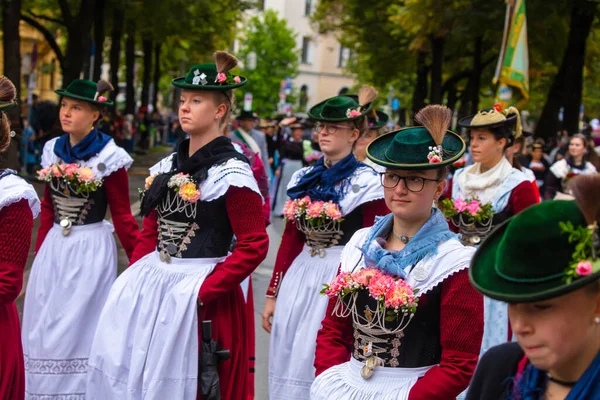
475, 239
165, 257
420, 273
171, 248
355, 188
101, 167
66, 226
404, 239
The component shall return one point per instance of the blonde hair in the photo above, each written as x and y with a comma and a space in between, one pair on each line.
227, 98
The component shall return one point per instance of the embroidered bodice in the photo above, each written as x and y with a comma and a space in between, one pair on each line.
72, 208
200, 229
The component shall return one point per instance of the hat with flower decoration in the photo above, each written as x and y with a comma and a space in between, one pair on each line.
11, 94
212, 76
83, 89
377, 119
494, 117
344, 108
545, 251
419, 147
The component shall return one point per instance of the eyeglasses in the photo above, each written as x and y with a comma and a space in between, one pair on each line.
329, 128
413, 183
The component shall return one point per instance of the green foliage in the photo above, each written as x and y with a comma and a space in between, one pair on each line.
274, 45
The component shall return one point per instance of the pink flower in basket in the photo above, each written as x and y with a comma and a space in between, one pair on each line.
43, 173
56, 171
474, 207
380, 285
289, 210
364, 276
332, 210
315, 209
304, 201
70, 170
85, 174
339, 283
584, 268
399, 294
460, 205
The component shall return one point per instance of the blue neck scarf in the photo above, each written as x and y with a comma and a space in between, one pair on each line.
320, 183
87, 148
425, 242
532, 384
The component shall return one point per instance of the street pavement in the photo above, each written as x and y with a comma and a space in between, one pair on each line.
260, 278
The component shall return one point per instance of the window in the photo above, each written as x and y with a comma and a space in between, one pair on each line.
303, 99
307, 7
260, 5
306, 50
343, 56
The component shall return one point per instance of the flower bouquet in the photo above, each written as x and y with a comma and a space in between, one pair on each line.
374, 299
470, 216
320, 222
71, 177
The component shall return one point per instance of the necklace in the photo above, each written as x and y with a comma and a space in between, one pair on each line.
559, 382
403, 238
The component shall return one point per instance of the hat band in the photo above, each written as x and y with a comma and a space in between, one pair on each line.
528, 280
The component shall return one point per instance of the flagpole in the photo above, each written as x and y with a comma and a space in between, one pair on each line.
507, 24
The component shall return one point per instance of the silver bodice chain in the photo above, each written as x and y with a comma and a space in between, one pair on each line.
174, 236
71, 210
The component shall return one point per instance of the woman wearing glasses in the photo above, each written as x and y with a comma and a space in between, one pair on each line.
370, 345
329, 202
492, 180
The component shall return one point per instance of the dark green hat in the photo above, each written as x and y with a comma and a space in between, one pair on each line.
526, 258
83, 89
419, 147
10, 92
7, 106
344, 108
379, 120
212, 76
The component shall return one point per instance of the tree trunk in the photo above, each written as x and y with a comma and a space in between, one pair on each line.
130, 65
78, 41
420, 93
452, 97
11, 41
157, 48
147, 48
98, 39
115, 47
437, 49
475, 81
567, 86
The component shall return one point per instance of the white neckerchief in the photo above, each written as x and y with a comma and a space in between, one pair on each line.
484, 185
250, 141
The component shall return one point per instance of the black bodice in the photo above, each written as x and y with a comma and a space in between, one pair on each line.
78, 209
193, 230
418, 345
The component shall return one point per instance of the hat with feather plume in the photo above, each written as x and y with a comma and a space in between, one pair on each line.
214, 76
86, 90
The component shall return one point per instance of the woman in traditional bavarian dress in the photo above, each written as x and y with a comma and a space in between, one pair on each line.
573, 164
487, 193
553, 300
147, 342
76, 260
19, 205
336, 187
402, 310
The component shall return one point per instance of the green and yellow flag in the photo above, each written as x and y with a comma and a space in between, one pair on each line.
512, 72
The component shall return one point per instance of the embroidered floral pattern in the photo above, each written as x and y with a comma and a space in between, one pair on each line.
41, 366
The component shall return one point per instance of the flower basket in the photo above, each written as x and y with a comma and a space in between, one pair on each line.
473, 219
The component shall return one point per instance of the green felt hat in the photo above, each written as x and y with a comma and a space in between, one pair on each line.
409, 148
212, 76
379, 120
344, 108
83, 89
526, 258
7, 106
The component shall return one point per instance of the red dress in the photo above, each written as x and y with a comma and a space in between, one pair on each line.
221, 294
16, 224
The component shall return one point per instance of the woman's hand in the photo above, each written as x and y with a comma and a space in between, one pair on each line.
267, 314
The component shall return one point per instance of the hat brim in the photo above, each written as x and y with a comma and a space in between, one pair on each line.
486, 279
376, 151
315, 113
466, 122
180, 83
382, 121
64, 93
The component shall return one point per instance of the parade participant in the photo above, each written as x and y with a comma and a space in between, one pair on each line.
76, 260
409, 324
196, 200
291, 152
251, 137
336, 187
494, 185
19, 205
553, 297
573, 164
539, 166
377, 127
515, 157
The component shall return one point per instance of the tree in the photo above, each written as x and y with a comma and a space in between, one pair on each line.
269, 40
11, 11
